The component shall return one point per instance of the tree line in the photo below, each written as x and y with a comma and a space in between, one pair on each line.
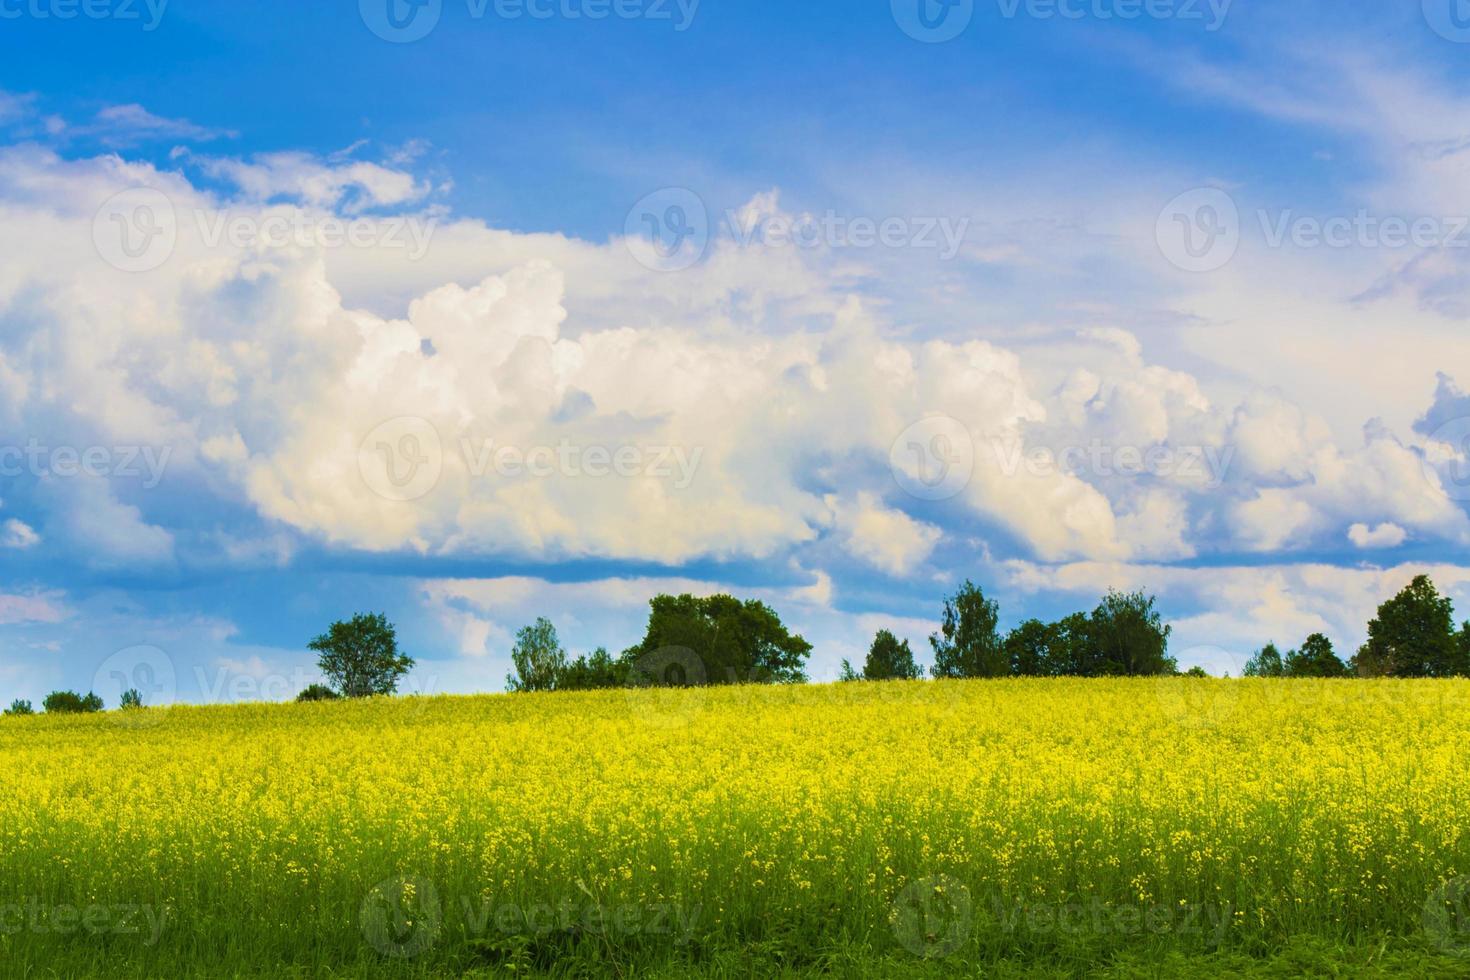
719, 639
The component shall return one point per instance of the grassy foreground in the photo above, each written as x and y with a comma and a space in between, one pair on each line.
1011, 828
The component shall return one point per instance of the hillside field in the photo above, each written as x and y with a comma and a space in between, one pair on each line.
1030, 827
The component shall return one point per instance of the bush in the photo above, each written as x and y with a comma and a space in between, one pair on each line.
318, 692
131, 700
20, 707
71, 703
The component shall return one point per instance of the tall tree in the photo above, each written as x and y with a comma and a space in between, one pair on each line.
968, 643
735, 642
1031, 649
361, 656
538, 657
1316, 658
1413, 635
890, 659
1128, 636
1265, 662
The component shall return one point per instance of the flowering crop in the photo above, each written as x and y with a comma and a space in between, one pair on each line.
933, 821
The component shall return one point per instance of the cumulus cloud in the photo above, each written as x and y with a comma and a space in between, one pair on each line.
745, 409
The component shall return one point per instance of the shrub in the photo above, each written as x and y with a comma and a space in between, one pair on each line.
318, 692
20, 707
131, 700
71, 703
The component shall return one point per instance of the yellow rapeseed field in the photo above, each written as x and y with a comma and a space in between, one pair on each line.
934, 821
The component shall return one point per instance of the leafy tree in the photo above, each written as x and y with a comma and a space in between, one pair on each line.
1127, 637
968, 643
736, 642
1315, 659
588, 673
1266, 662
539, 660
71, 703
889, 659
847, 673
1032, 649
1413, 635
1196, 671
317, 692
1070, 650
20, 707
361, 657
131, 700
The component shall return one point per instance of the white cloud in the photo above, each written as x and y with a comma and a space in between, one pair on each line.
18, 535
1383, 536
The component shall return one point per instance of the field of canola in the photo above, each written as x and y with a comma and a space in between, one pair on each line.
951, 827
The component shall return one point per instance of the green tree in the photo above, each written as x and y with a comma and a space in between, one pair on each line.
1070, 650
968, 643
131, 700
587, 673
538, 657
317, 692
1316, 658
889, 659
361, 656
1196, 671
1413, 635
71, 703
1032, 649
1265, 662
20, 707
1127, 637
733, 642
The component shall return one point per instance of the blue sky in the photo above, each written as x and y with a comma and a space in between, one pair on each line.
1265, 427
